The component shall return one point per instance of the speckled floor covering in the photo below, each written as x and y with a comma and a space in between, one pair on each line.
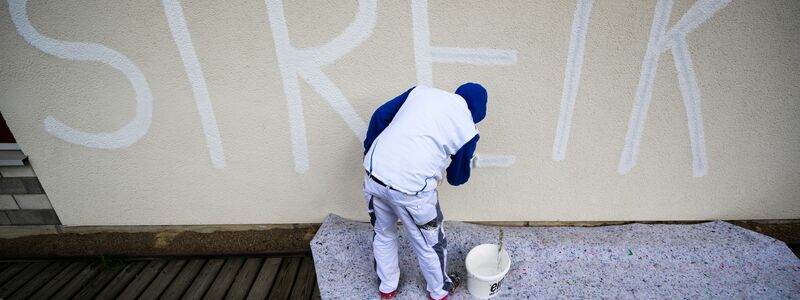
709, 260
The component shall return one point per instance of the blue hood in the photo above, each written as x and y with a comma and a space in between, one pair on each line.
476, 98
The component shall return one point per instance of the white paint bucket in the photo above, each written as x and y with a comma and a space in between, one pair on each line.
485, 279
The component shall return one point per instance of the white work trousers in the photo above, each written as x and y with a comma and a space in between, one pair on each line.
422, 220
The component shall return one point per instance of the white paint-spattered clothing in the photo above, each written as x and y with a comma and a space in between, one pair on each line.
411, 152
423, 222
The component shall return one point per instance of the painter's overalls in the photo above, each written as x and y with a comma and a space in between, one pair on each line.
403, 166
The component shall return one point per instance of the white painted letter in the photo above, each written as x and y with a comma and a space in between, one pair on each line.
425, 55
662, 40
180, 33
122, 137
572, 77
307, 63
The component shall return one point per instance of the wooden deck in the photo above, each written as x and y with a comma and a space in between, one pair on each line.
266, 277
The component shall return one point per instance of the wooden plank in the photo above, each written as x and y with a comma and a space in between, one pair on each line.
12, 158
142, 279
285, 280
121, 281
184, 279
304, 284
99, 281
315, 295
78, 282
9, 146
33, 284
266, 276
51, 287
288, 278
163, 279
204, 279
247, 274
220, 286
12, 271
21, 278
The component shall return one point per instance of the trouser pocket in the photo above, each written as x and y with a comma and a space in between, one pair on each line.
428, 221
430, 231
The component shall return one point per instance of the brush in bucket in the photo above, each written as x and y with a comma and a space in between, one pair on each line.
487, 265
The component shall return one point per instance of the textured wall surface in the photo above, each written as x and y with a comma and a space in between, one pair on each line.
204, 112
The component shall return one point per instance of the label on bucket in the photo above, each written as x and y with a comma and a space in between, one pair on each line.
495, 288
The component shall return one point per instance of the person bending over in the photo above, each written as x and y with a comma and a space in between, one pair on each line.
408, 143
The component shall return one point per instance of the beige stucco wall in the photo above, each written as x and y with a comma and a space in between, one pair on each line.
746, 61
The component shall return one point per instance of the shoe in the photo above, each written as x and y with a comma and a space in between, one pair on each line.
456, 279
389, 295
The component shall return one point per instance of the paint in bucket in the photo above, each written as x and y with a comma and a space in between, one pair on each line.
484, 278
